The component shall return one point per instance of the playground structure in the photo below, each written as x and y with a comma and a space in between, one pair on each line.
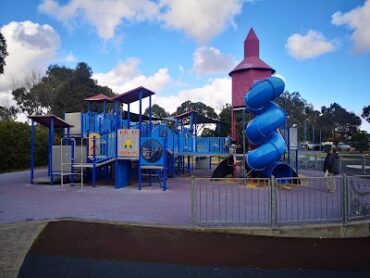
120, 144
107, 141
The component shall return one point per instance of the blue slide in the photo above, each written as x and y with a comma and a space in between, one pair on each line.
262, 131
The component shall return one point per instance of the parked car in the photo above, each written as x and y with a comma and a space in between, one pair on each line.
343, 147
313, 147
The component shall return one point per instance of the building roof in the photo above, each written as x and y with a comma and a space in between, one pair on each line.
252, 62
133, 95
45, 120
99, 98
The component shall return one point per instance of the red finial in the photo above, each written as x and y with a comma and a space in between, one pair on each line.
251, 45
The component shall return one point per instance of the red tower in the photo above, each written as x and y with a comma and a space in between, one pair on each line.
244, 75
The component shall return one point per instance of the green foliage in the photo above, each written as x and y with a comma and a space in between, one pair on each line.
8, 113
338, 121
366, 113
225, 120
294, 106
207, 132
360, 141
15, 139
3, 53
157, 112
200, 107
60, 90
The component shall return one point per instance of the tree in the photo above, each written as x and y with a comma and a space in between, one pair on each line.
225, 120
157, 112
294, 106
28, 100
200, 107
339, 122
60, 90
366, 113
8, 113
3, 53
360, 140
207, 132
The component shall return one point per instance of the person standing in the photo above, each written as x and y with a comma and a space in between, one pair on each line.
332, 168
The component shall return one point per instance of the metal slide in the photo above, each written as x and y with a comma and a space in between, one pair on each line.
262, 129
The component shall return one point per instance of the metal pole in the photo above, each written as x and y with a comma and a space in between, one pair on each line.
243, 132
51, 149
140, 134
193, 199
273, 203
150, 115
345, 198
94, 162
32, 150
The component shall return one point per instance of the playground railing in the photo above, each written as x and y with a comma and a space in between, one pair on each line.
280, 201
231, 202
308, 200
210, 145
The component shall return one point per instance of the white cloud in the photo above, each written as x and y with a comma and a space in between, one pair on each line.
201, 20
210, 60
311, 45
31, 47
357, 20
216, 93
126, 76
70, 58
104, 15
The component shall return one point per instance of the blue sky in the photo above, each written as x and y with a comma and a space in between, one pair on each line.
185, 49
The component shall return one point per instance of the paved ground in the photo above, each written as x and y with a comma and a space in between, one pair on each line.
15, 241
21, 201
24, 204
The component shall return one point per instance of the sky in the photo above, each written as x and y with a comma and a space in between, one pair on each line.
184, 50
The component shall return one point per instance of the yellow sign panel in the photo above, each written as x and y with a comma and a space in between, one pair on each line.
128, 143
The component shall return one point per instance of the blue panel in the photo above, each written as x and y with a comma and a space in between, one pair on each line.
122, 173
152, 151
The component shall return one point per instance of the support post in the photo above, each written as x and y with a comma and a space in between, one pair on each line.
32, 150
193, 200
94, 163
345, 198
51, 150
150, 115
273, 204
140, 134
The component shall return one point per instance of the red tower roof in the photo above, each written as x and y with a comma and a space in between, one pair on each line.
251, 55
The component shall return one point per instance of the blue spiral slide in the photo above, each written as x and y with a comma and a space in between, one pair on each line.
262, 131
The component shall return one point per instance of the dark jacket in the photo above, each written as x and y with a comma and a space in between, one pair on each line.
332, 163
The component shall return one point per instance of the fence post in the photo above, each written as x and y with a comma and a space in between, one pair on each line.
345, 198
273, 204
193, 200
